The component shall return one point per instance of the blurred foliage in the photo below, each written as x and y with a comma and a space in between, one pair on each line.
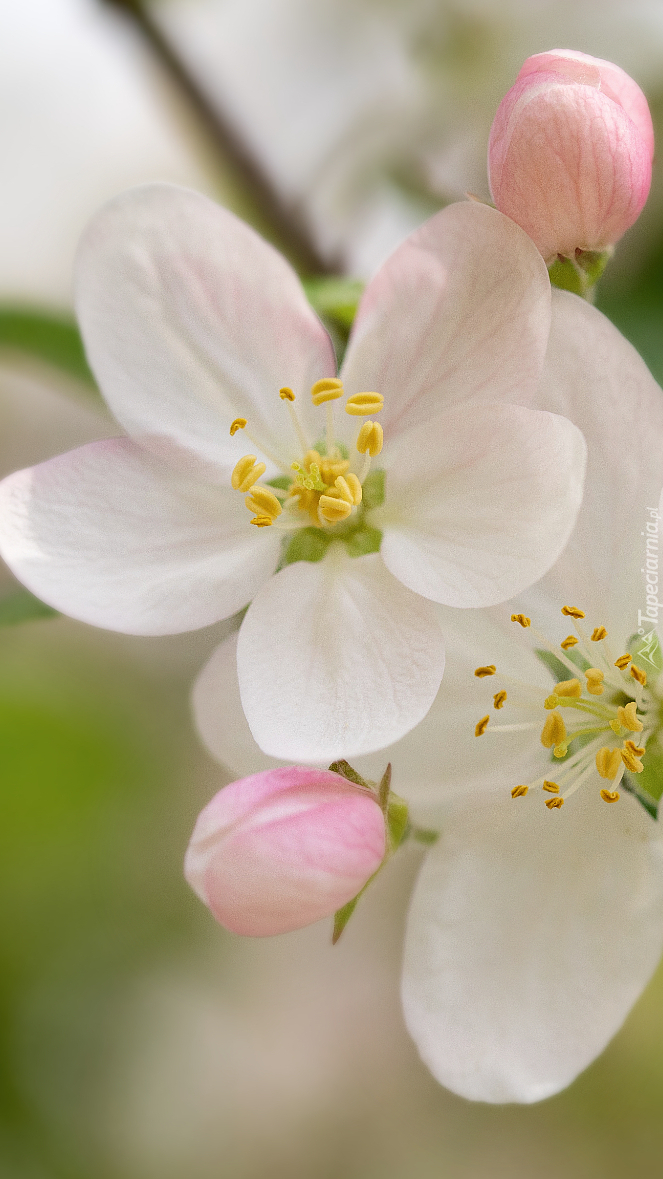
634, 303
47, 335
22, 606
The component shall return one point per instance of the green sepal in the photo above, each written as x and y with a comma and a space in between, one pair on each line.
336, 298
580, 273
342, 916
646, 649
372, 495
363, 541
22, 606
321, 447
308, 544
51, 337
283, 482
424, 835
630, 784
555, 666
344, 768
650, 781
397, 823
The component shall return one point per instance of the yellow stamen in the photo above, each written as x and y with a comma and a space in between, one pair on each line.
263, 502
622, 662
238, 424
522, 619
482, 672
346, 492
262, 521
363, 403
551, 787
628, 717
598, 633
333, 508
594, 679
608, 761
638, 674
573, 612
631, 760
554, 731
286, 393
609, 795
569, 641
246, 472
554, 804
519, 791
327, 389
550, 702
481, 726
499, 699
638, 750
354, 485
572, 688
370, 439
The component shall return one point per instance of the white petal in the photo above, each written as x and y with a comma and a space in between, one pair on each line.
220, 718
118, 540
461, 310
190, 320
480, 501
531, 934
336, 658
595, 377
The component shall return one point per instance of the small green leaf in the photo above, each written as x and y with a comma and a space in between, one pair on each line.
308, 544
363, 540
50, 336
373, 490
425, 835
342, 916
346, 771
22, 606
397, 821
630, 783
646, 651
337, 298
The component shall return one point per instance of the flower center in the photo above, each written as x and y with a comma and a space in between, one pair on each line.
598, 722
318, 488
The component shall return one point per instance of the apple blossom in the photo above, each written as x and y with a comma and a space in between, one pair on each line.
284, 848
570, 152
204, 346
533, 929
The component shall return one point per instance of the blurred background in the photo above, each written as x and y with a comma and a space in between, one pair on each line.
137, 1039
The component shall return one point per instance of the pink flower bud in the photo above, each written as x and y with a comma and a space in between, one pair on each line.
284, 848
570, 152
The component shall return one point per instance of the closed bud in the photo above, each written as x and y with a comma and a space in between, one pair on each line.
284, 848
570, 152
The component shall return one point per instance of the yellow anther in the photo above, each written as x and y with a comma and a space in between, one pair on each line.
262, 521
638, 750
631, 760
554, 731
594, 679
311, 456
572, 688
238, 424
608, 761
286, 393
609, 795
263, 502
246, 472
554, 804
522, 619
551, 702
598, 633
370, 439
482, 672
519, 791
573, 612
333, 508
569, 641
481, 726
561, 750
551, 787
628, 717
351, 494
638, 674
499, 699
622, 662
364, 403
327, 389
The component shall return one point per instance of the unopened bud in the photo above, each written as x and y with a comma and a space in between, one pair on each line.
284, 848
570, 152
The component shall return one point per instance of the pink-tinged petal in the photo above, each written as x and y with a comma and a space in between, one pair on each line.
281, 849
566, 160
480, 502
190, 320
118, 540
530, 936
460, 311
336, 658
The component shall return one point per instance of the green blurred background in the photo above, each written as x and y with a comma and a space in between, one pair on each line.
139, 1040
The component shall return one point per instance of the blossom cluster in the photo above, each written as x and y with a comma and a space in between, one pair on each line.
402, 542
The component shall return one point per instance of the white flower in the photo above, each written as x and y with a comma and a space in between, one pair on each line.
533, 930
195, 327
